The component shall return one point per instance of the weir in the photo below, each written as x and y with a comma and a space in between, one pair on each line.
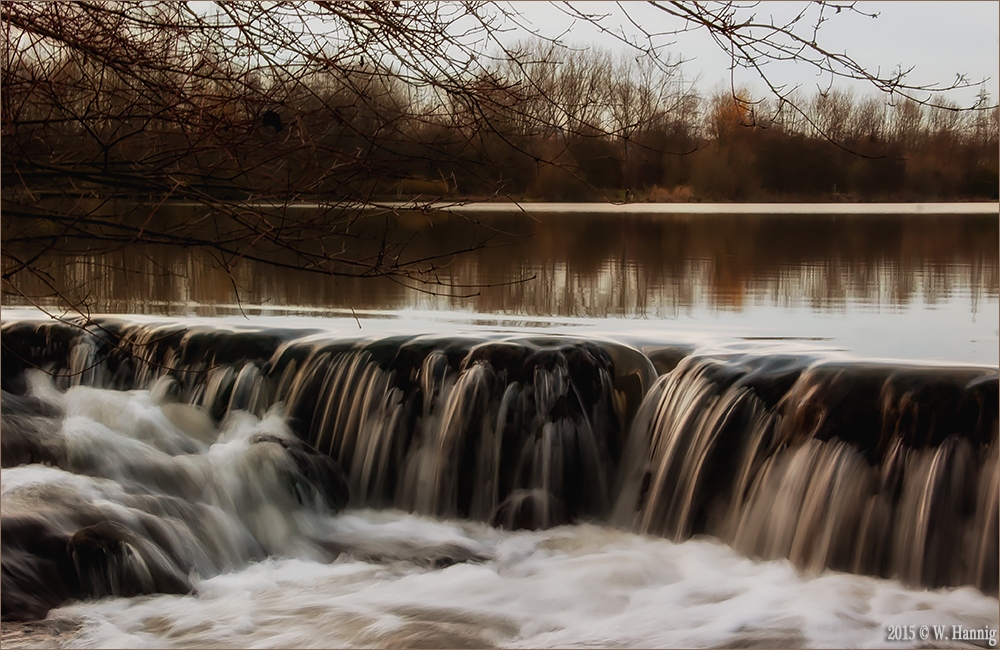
877, 468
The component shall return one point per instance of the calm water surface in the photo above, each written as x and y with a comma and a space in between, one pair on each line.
922, 286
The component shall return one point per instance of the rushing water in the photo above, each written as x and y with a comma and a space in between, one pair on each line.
768, 469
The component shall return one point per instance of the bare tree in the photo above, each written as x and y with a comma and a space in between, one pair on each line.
756, 42
241, 110
832, 111
278, 132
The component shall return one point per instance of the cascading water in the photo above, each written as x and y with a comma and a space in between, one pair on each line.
880, 469
449, 427
108, 493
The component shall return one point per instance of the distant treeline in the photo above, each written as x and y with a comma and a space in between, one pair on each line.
544, 123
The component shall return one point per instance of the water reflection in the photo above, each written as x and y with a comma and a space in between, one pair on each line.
652, 266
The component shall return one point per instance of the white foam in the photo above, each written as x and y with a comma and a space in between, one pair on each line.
581, 585
121, 446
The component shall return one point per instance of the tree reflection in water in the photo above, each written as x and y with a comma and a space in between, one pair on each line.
584, 265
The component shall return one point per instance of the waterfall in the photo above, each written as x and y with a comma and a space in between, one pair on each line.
877, 468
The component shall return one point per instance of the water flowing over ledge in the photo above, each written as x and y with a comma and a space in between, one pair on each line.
876, 468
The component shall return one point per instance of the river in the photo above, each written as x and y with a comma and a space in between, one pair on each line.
644, 428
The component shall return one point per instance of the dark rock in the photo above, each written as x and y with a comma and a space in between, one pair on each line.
42, 567
109, 561
36, 571
320, 472
30, 431
529, 510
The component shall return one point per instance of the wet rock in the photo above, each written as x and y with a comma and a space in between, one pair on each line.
26, 405
33, 581
111, 561
316, 470
530, 510
30, 431
27, 440
42, 566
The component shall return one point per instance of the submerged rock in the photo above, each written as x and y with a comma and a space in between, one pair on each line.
111, 560
315, 470
34, 581
530, 510
43, 566
30, 431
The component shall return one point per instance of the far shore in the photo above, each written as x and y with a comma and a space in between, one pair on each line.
468, 205
711, 208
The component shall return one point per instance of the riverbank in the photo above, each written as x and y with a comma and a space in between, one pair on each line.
583, 207
711, 208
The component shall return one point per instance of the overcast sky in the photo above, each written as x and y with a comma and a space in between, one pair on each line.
939, 39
